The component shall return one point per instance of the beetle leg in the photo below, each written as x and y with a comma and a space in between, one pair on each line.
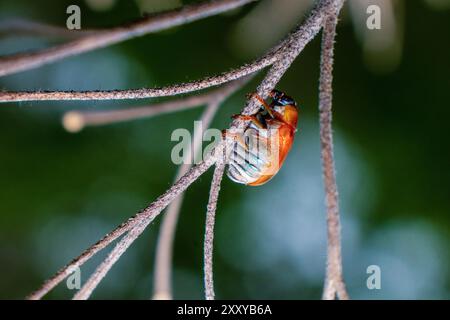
236, 137
274, 114
269, 109
253, 119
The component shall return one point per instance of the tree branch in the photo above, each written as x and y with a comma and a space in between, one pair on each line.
283, 54
289, 49
74, 121
334, 283
143, 219
209, 228
164, 251
189, 13
16, 96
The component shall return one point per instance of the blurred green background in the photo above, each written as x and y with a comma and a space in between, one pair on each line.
60, 192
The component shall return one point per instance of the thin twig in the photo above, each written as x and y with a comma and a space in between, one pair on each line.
334, 283
162, 277
164, 251
283, 53
289, 50
209, 228
144, 218
101, 271
74, 121
189, 13
172, 90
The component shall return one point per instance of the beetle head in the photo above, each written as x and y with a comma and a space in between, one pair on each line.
281, 99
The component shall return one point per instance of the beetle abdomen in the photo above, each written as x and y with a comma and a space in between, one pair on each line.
250, 157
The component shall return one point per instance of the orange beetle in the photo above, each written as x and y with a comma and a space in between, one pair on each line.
259, 153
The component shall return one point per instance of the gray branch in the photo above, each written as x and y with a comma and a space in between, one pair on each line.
143, 219
209, 227
334, 283
74, 121
280, 56
25, 61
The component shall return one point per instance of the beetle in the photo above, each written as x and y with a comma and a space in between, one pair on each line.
258, 155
